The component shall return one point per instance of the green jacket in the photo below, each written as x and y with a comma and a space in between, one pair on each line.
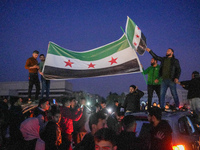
153, 74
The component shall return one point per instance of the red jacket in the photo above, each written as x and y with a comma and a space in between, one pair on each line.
67, 118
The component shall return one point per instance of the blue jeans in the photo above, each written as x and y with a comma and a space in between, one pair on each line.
45, 86
164, 86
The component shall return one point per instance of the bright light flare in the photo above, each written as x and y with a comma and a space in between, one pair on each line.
109, 110
88, 103
178, 147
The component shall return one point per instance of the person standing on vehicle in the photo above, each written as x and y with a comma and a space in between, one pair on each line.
193, 87
161, 132
170, 71
45, 83
32, 66
132, 101
154, 80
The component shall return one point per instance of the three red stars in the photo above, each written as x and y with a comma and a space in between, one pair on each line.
113, 61
91, 65
68, 63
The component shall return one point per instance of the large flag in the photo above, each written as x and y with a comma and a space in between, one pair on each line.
115, 58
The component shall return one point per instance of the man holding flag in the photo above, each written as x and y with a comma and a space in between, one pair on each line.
154, 80
170, 71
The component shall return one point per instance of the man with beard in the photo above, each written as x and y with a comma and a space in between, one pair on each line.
132, 101
154, 80
169, 72
161, 132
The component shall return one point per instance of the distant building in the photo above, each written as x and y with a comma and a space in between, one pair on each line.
58, 88
90, 98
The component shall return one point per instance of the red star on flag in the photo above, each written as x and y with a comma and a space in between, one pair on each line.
137, 36
138, 28
113, 61
135, 44
91, 65
68, 63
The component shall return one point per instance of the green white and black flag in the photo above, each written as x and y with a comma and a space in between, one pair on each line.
135, 37
115, 58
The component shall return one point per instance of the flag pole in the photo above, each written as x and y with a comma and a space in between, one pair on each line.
133, 48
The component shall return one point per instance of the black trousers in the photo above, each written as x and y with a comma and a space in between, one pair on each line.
66, 142
33, 79
151, 89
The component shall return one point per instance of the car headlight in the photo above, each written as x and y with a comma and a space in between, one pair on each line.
178, 147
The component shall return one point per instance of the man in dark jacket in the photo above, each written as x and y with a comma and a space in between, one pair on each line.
127, 139
161, 132
132, 101
193, 87
16, 118
169, 72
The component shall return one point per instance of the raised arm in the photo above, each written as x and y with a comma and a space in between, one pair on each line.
154, 55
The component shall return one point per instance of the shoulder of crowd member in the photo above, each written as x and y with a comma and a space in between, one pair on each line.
49, 132
111, 119
165, 124
139, 92
87, 143
29, 59
148, 69
128, 141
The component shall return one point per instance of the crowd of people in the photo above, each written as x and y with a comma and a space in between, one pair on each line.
160, 78
73, 125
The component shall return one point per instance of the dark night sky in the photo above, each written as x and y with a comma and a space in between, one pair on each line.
82, 25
